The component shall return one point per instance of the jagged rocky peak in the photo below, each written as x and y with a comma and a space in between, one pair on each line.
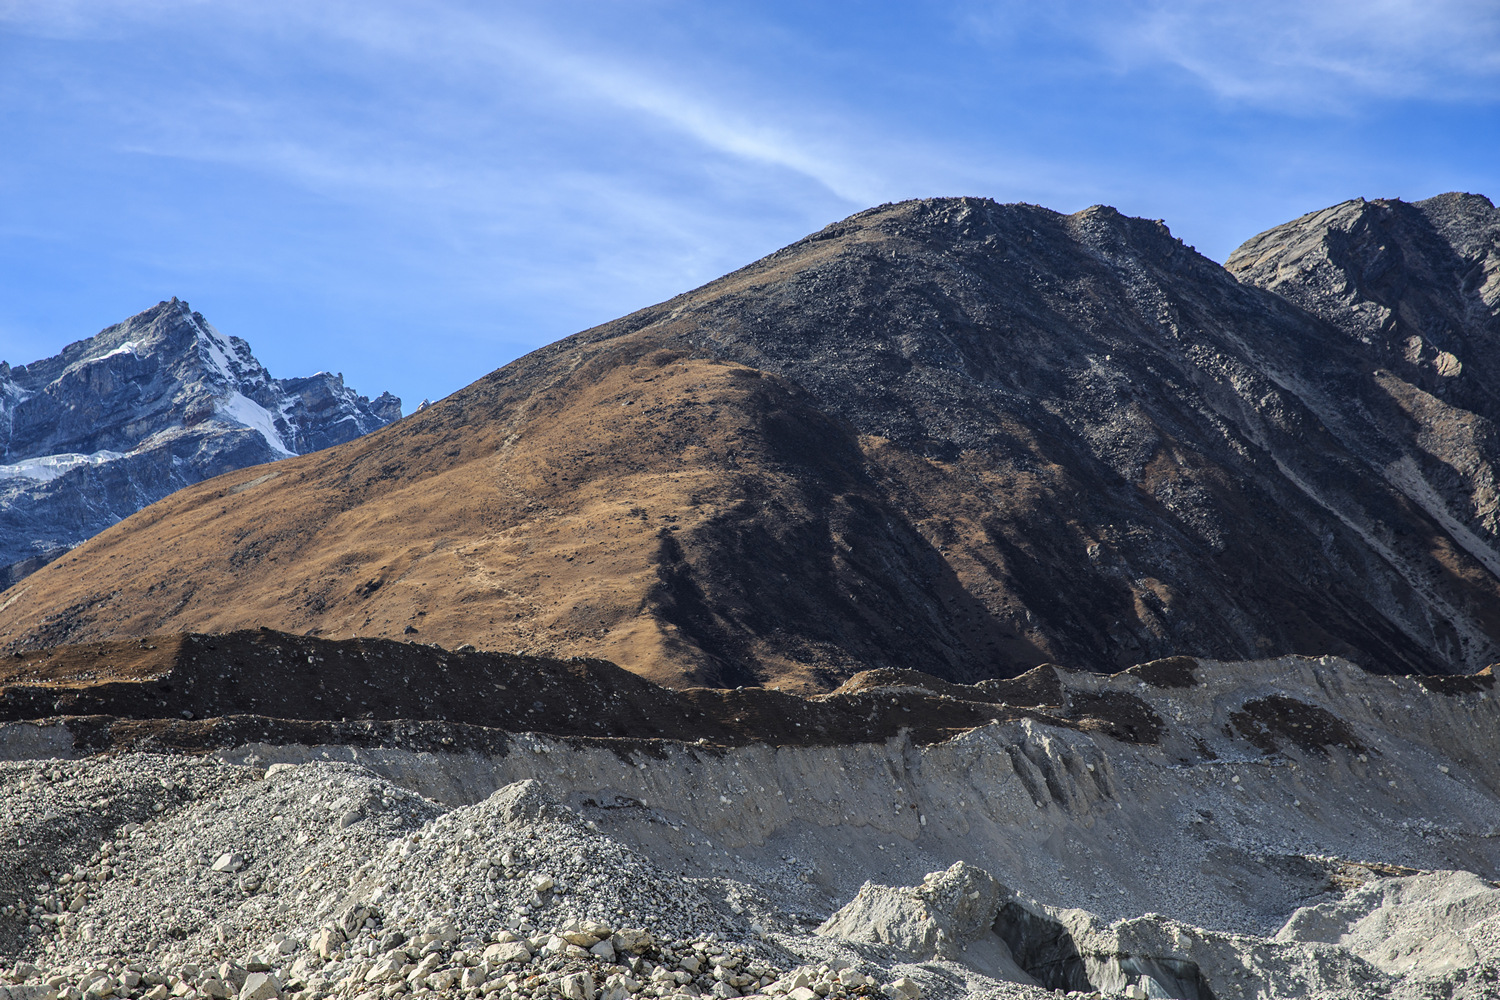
167, 367
1413, 291
981, 225
1417, 284
142, 408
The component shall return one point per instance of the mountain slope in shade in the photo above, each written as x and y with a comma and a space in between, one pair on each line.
947, 435
145, 407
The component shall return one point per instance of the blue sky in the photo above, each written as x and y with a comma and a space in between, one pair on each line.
416, 193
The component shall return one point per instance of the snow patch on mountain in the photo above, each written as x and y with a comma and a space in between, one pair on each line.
243, 410
49, 467
220, 357
129, 347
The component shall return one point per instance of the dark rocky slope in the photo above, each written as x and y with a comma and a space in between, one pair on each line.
951, 435
1415, 289
143, 408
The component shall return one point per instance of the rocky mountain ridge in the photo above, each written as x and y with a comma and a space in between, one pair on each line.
947, 434
160, 401
1415, 288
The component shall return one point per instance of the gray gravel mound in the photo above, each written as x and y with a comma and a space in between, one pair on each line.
241, 859
162, 878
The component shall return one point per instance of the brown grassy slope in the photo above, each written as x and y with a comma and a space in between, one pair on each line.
573, 516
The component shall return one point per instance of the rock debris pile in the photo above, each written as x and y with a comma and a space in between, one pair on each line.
325, 881
1441, 926
1189, 829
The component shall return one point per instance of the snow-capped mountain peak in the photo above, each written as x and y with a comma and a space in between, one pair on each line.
144, 407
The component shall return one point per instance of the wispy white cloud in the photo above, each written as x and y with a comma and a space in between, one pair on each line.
1332, 50
591, 73
1286, 55
543, 163
509, 56
497, 48
442, 126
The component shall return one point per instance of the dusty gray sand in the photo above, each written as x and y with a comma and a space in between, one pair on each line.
1223, 861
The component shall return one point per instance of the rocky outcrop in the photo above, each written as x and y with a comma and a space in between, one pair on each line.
1429, 925
944, 915
144, 408
1436, 927
1415, 291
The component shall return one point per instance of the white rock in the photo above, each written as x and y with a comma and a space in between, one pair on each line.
444, 980
260, 986
507, 951
326, 942
285, 946
574, 935
579, 986
385, 969
907, 987
796, 979
229, 862
631, 940
424, 967
27, 993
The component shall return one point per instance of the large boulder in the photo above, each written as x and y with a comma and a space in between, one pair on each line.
950, 915
1425, 925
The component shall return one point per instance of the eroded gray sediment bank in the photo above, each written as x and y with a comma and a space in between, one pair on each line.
1266, 788
1206, 826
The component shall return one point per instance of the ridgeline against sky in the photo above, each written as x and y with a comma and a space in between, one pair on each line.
946, 435
413, 194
